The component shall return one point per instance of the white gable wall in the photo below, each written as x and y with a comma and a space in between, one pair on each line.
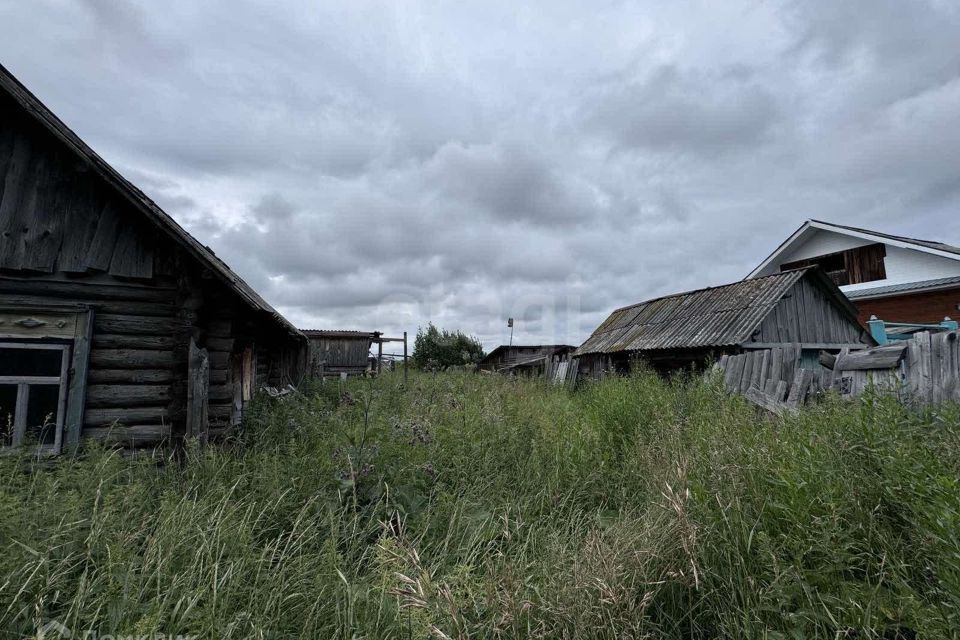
901, 265
819, 243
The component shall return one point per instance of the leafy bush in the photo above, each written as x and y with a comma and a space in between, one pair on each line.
439, 348
482, 506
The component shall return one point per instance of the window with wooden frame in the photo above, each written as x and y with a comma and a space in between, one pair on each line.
43, 365
853, 266
33, 393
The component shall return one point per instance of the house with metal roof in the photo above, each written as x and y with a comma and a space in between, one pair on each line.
802, 309
895, 278
115, 323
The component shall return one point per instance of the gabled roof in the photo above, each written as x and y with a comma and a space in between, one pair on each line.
713, 317
46, 118
339, 333
926, 246
905, 287
542, 349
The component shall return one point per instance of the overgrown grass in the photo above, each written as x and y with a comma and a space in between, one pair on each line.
479, 506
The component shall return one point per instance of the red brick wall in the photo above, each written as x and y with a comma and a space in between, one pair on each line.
931, 306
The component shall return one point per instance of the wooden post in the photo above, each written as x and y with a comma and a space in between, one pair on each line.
198, 388
404, 358
379, 354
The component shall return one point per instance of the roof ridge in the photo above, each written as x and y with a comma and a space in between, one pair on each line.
930, 244
36, 109
779, 274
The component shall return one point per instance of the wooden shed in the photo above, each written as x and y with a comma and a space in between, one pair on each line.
523, 356
802, 309
115, 322
335, 352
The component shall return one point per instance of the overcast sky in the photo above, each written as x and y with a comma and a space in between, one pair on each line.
377, 165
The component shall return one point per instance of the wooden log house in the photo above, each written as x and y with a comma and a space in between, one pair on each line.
115, 323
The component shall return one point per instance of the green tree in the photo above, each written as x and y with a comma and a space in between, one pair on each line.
441, 348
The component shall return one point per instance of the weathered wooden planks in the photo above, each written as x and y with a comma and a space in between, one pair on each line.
885, 357
925, 369
98, 417
130, 376
132, 436
131, 359
127, 395
198, 388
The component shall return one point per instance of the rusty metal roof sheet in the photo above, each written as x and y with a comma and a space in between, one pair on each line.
712, 317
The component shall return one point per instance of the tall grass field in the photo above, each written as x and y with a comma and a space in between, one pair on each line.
475, 506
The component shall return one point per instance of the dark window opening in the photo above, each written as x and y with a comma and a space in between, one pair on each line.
29, 362
32, 394
853, 266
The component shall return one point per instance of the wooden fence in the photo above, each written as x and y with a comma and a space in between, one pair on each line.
924, 369
561, 370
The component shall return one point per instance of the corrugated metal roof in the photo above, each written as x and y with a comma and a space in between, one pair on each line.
711, 317
902, 287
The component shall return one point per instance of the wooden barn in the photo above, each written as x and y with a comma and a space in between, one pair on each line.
802, 309
523, 357
335, 352
114, 322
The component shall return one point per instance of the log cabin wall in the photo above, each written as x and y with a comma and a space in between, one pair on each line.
69, 238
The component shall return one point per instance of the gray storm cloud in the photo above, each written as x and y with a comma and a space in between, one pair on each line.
379, 165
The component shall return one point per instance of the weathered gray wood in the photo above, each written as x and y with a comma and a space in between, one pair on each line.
131, 359
137, 325
77, 386
126, 395
828, 360
132, 255
130, 376
800, 387
764, 368
100, 253
121, 341
198, 387
780, 395
220, 393
104, 306
219, 412
770, 387
219, 344
16, 185
884, 357
924, 390
219, 359
728, 372
86, 289
134, 415
747, 374
136, 435
764, 401
776, 363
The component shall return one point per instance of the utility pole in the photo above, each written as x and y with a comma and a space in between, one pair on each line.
404, 358
510, 324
